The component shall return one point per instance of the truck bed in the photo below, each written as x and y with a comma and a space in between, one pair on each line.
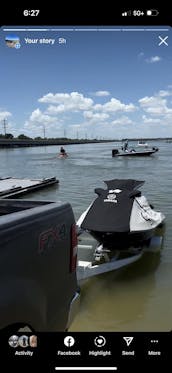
37, 285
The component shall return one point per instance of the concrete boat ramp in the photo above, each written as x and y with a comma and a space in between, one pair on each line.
11, 187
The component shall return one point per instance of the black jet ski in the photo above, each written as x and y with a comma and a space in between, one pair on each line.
120, 217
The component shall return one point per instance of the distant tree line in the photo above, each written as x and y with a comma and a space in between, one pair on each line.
24, 137
39, 138
10, 136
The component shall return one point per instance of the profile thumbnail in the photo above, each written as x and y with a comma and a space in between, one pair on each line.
23, 341
13, 341
33, 341
12, 41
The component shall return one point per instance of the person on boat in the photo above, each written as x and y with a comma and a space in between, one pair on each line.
125, 148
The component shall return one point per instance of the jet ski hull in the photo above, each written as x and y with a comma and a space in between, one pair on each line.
62, 156
122, 241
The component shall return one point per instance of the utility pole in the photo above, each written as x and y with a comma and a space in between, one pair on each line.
5, 125
44, 130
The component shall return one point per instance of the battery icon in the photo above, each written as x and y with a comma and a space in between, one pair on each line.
152, 12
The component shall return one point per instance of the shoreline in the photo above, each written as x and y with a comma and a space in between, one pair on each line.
15, 143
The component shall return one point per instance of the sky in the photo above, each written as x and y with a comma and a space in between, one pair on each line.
80, 83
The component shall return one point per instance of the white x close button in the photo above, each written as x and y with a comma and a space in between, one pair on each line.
163, 40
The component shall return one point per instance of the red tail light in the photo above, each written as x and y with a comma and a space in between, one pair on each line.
73, 249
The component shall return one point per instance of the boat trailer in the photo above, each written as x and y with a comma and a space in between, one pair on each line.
102, 262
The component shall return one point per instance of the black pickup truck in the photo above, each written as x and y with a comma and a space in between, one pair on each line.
38, 253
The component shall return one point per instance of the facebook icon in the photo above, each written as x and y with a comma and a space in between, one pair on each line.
69, 341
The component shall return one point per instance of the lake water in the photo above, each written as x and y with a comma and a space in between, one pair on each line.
137, 298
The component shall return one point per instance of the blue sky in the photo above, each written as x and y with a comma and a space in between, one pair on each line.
97, 84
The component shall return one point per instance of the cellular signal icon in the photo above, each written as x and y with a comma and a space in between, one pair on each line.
125, 14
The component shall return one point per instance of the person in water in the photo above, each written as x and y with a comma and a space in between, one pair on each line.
62, 150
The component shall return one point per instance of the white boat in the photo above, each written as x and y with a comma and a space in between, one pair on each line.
133, 152
142, 143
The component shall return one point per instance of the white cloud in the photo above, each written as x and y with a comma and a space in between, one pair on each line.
38, 117
89, 115
98, 107
40, 123
4, 114
76, 113
62, 102
155, 105
159, 113
163, 93
115, 105
151, 120
54, 110
102, 93
122, 121
153, 59
75, 101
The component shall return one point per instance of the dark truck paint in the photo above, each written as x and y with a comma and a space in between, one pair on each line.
38, 284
